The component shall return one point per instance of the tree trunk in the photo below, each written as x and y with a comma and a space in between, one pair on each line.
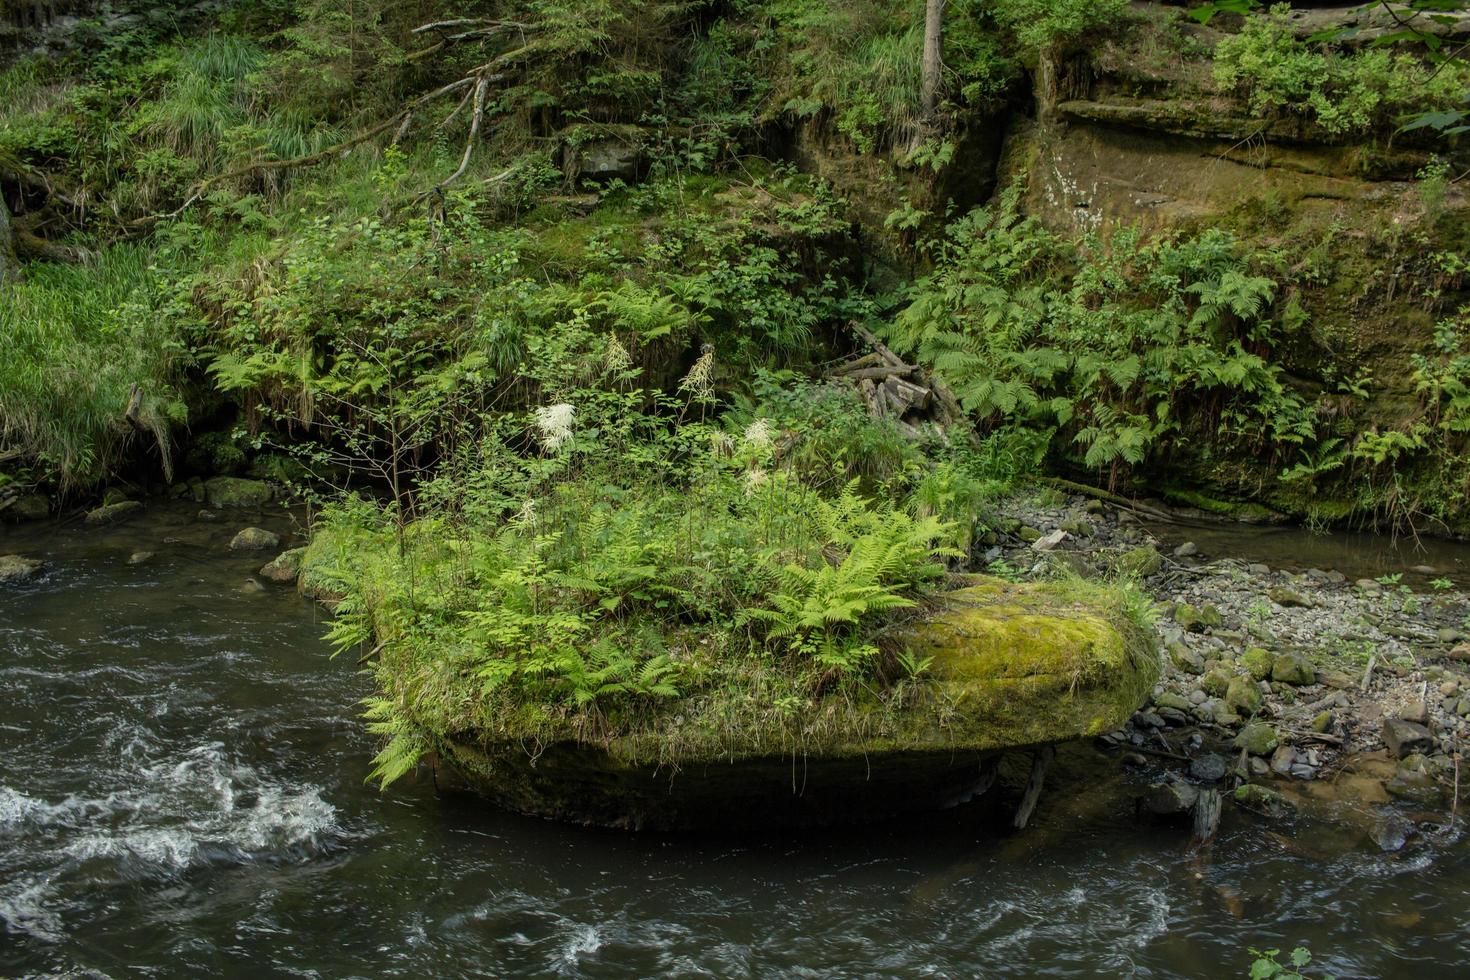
933, 58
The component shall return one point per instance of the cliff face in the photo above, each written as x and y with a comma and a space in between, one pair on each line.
1368, 224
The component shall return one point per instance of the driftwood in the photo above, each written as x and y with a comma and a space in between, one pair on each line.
917, 401
1207, 816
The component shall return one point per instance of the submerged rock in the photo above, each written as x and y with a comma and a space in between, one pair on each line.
1405, 738
237, 492
1167, 799
15, 569
1013, 667
1414, 781
255, 539
27, 507
111, 513
1263, 800
284, 568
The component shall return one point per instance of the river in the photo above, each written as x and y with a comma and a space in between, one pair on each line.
181, 794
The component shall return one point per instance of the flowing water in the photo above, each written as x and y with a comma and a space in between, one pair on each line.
181, 794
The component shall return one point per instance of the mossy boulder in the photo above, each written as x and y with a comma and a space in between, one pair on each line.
255, 539
1196, 619
112, 513
1257, 662
1139, 562
1242, 696
1012, 666
237, 492
1263, 800
27, 507
1257, 738
285, 567
1293, 668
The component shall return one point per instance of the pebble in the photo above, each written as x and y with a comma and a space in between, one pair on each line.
1186, 550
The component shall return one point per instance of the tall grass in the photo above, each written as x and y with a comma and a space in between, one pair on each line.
77, 339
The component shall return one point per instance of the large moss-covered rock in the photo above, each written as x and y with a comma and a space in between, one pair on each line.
1011, 667
234, 491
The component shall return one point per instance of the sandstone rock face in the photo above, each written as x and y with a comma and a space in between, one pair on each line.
1013, 667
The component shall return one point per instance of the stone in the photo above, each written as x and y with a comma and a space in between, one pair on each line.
1196, 619
1186, 550
111, 513
1391, 832
1288, 598
605, 159
1423, 570
1077, 527
1405, 738
1167, 799
1207, 768
251, 587
1449, 689
1414, 781
1186, 659
1139, 562
1168, 699
1461, 652
1174, 716
114, 495
1257, 662
1094, 507
1368, 586
139, 557
255, 539
1147, 719
1263, 800
1070, 563
1283, 759
1243, 696
1462, 707
1258, 768
1198, 696
1223, 716
1050, 542
284, 568
1215, 683
237, 492
1257, 568
1415, 711
1323, 722
1337, 680
197, 493
1135, 760
1448, 634
27, 507
1257, 738
1028, 534
1293, 668
15, 569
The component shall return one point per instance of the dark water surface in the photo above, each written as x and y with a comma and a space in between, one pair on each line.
181, 794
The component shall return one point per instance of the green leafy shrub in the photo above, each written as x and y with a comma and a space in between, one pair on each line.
1342, 91
1106, 344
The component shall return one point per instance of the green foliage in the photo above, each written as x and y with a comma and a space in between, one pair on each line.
78, 338
1106, 344
587, 587
1342, 91
1042, 24
1266, 966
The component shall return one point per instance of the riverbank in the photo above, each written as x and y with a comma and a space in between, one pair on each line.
1278, 683
181, 788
